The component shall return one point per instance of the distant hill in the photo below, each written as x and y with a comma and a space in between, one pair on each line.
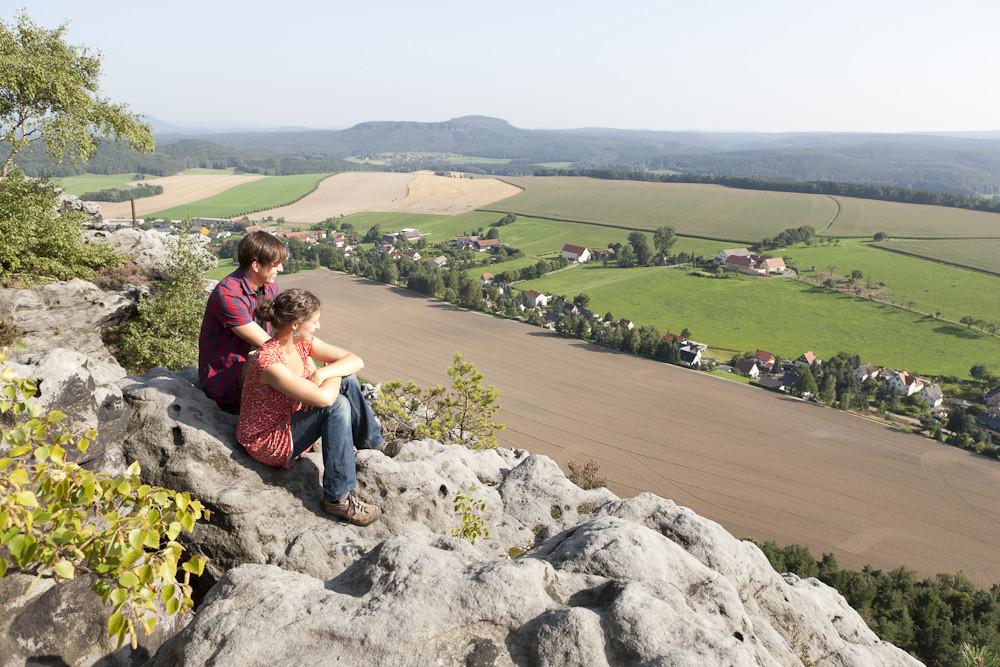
960, 163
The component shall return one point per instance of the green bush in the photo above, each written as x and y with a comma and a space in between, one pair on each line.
472, 525
463, 414
59, 520
164, 331
38, 241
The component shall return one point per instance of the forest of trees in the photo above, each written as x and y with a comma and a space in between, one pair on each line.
931, 618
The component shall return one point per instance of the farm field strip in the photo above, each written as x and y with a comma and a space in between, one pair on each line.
177, 191
262, 193
980, 254
417, 192
778, 314
761, 464
715, 211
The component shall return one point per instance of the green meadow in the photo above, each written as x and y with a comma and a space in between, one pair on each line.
77, 185
224, 268
778, 314
252, 197
930, 287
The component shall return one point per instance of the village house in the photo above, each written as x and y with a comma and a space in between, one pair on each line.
992, 398
724, 255
772, 265
412, 253
575, 253
389, 238
931, 395
754, 264
807, 359
251, 229
747, 367
903, 382
603, 253
410, 234
690, 353
537, 299
463, 242
626, 324
784, 383
866, 372
765, 359
198, 229
486, 279
438, 262
482, 245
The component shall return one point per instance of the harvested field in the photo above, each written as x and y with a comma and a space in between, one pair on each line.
761, 464
246, 199
716, 211
177, 191
420, 192
978, 254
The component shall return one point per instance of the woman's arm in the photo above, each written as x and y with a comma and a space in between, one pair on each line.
316, 394
339, 363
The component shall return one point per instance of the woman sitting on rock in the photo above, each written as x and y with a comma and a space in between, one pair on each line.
284, 409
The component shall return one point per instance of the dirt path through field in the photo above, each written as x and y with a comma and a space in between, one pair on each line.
177, 191
419, 192
761, 464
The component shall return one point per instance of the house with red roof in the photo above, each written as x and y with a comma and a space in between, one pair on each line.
575, 253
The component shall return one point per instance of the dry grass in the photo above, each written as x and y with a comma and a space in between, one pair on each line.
761, 464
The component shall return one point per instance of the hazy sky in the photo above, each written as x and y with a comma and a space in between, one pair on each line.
707, 65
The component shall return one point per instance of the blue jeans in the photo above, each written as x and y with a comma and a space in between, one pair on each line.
347, 424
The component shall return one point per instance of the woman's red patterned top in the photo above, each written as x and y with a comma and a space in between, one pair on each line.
265, 426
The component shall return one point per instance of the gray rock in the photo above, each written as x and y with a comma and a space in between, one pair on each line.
149, 249
638, 581
43, 621
65, 314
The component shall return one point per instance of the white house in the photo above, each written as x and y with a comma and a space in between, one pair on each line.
932, 396
537, 299
866, 372
903, 382
575, 253
691, 353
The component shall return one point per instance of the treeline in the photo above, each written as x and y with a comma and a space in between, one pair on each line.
123, 194
859, 190
931, 618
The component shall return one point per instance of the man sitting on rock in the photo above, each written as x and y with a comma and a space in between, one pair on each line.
230, 328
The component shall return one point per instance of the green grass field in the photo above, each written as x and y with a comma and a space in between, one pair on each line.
77, 185
261, 195
930, 286
780, 315
225, 267
499, 267
982, 254
730, 213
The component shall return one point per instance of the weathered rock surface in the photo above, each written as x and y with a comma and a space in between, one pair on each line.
149, 249
637, 581
68, 202
70, 314
48, 624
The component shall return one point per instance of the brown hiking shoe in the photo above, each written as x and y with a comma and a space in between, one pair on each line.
353, 510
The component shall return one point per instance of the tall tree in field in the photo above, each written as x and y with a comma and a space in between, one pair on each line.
640, 243
664, 239
49, 92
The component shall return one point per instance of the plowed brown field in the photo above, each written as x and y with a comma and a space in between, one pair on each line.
420, 192
761, 464
177, 191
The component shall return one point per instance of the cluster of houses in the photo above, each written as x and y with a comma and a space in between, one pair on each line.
991, 418
745, 261
761, 368
476, 243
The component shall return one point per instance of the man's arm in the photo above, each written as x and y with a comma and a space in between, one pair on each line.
252, 333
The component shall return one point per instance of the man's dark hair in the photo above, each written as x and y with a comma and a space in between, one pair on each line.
261, 247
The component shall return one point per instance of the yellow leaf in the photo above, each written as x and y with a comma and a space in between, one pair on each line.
148, 624
116, 624
65, 569
133, 469
26, 498
18, 477
174, 530
82, 444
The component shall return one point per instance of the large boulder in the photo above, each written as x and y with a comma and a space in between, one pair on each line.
567, 576
70, 314
65, 624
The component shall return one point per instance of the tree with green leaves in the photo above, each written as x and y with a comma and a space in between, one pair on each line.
626, 257
164, 331
664, 239
828, 392
640, 244
806, 384
49, 92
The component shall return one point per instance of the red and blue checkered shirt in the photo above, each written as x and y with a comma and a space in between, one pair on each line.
221, 353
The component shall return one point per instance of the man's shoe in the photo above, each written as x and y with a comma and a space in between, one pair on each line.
352, 510
390, 449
